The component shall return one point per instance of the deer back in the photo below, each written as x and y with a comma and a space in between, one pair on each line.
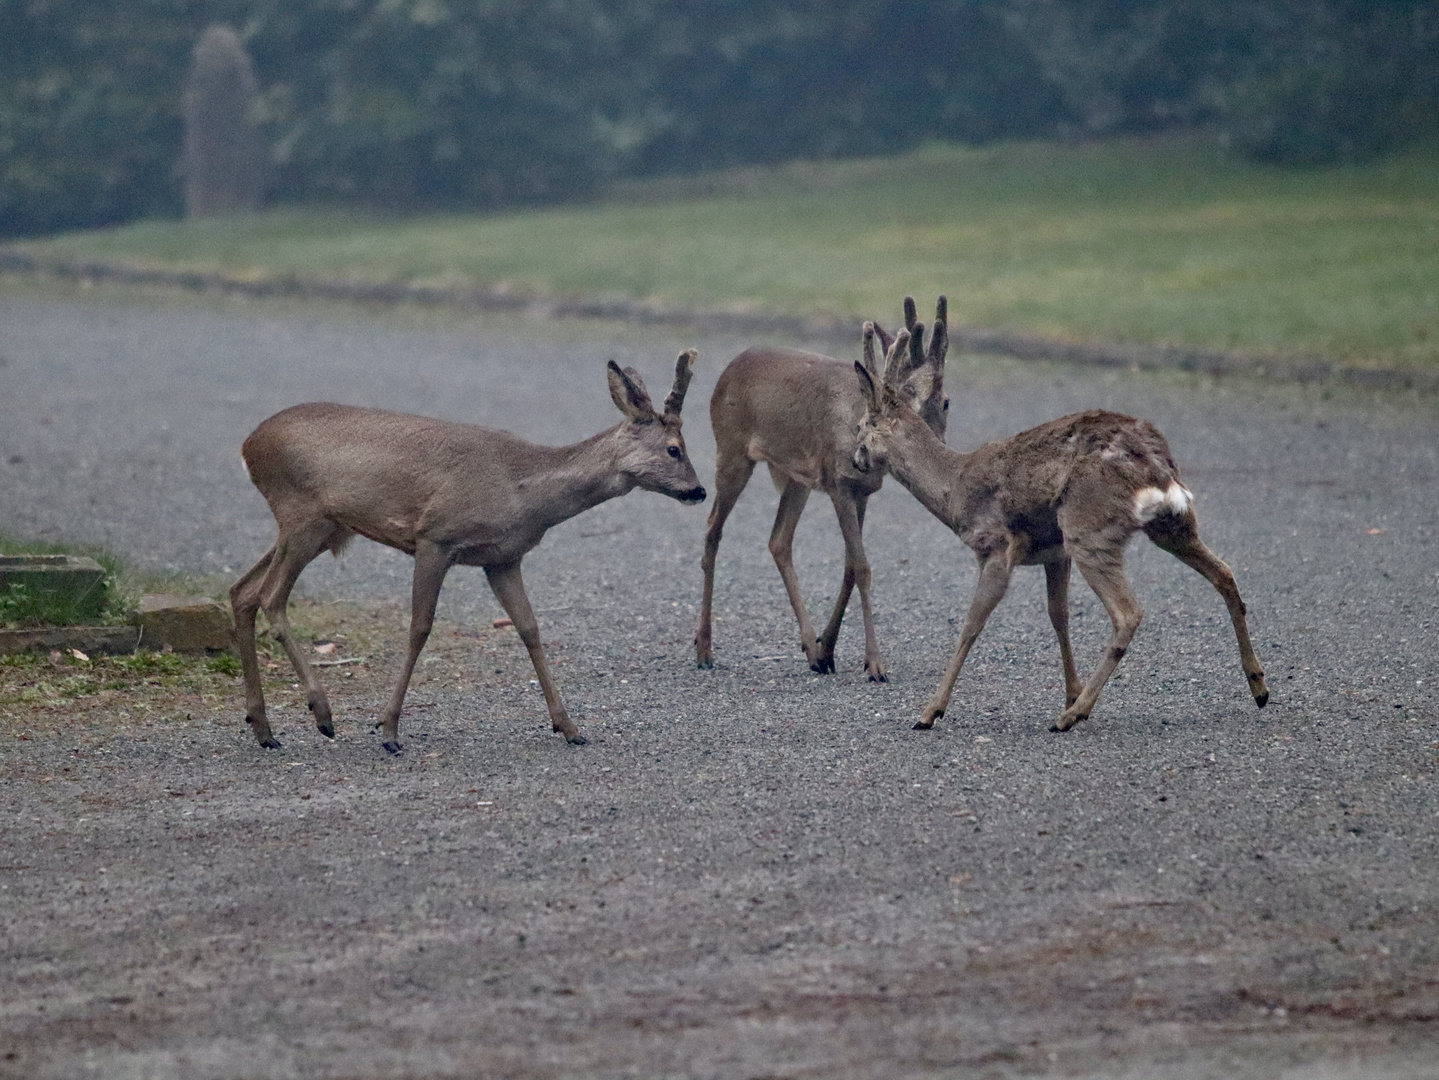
795, 410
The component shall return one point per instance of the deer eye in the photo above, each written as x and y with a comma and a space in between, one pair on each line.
946, 404
676, 452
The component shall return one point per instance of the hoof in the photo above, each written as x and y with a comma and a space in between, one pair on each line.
924, 725
823, 666
270, 743
1262, 699
578, 740
1064, 723
327, 730
391, 747
878, 676
705, 665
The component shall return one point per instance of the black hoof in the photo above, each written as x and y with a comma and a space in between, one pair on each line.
327, 730
705, 665
823, 666
391, 747
271, 743
1262, 700
881, 677
578, 740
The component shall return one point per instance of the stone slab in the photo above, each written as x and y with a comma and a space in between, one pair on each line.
73, 581
88, 639
184, 623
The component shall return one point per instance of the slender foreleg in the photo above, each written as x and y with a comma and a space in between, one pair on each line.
993, 581
509, 589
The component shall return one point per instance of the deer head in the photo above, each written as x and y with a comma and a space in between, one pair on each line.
890, 400
924, 368
653, 451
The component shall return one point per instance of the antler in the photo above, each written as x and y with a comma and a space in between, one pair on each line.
939, 336
895, 360
684, 371
870, 330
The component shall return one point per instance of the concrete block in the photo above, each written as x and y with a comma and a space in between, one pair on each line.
73, 583
184, 623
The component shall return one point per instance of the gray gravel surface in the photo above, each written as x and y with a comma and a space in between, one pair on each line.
752, 871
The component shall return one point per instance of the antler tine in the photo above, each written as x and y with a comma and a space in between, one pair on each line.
684, 371
911, 313
886, 339
916, 348
894, 360
870, 330
939, 337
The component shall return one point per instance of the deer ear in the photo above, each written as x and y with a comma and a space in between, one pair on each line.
867, 388
628, 392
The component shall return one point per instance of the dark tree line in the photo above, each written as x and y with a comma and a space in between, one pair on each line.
486, 102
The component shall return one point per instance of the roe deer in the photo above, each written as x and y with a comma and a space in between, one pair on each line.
797, 412
445, 493
1076, 488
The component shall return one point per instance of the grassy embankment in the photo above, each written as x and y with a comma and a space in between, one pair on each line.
1164, 243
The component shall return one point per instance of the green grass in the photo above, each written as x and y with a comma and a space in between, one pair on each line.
1168, 242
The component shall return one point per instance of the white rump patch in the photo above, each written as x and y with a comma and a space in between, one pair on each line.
1150, 502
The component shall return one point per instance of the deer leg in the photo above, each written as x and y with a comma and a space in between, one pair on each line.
850, 511
293, 551
509, 589
245, 602
1056, 581
731, 476
431, 566
781, 546
1104, 570
1192, 551
988, 592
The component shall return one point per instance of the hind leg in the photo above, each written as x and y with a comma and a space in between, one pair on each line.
1056, 581
294, 550
1104, 570
244, 602
731, 475
1182, 541
850, 511
781, 546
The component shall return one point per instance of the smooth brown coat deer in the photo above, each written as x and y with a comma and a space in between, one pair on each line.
447, 494
797, 412
1074, 489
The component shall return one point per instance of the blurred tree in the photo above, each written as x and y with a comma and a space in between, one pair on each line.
475, 103
224, 160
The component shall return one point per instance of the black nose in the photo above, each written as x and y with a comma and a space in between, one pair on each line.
693, 495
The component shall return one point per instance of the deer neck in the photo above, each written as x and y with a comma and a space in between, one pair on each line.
568, 480
932, 472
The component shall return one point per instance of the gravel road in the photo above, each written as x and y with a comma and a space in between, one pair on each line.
752, 871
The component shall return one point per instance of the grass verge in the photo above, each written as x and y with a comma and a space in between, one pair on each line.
22, 610
1169, 242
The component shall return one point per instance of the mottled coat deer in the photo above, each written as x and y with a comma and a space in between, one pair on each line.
1074, 490
447, 494
797, 412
